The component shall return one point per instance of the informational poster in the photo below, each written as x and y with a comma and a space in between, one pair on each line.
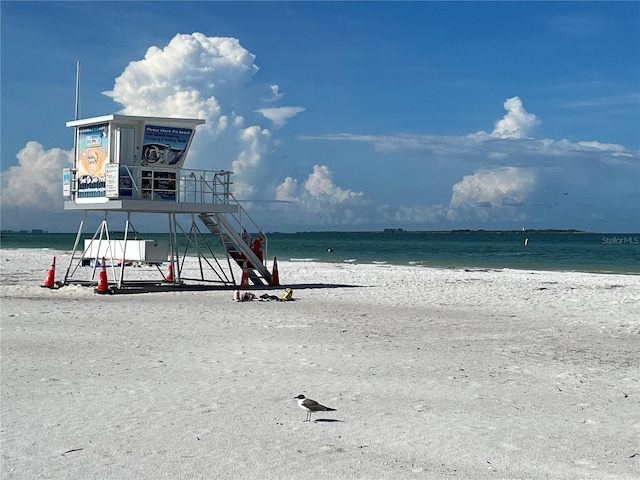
112, 181
165, 146
66, 182
93, 156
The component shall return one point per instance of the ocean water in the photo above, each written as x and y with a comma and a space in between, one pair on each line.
583, 252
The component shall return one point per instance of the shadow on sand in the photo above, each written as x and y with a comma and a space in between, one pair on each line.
152, 287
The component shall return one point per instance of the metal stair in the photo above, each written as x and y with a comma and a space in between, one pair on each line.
238, 248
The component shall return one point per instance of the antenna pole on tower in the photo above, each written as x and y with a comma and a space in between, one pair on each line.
77, 89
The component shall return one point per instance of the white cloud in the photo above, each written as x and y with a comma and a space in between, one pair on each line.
248, 166
33, 188
321, 187
37, 179
320, 201
287, 191
276, 95
185, 78
491, 194
517, 123
209, 78
280, 115
482, 148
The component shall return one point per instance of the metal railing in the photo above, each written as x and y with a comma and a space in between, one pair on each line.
156, 183
205, 186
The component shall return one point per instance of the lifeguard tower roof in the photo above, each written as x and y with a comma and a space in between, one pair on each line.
133, 119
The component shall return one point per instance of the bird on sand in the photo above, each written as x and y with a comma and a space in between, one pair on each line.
311, 406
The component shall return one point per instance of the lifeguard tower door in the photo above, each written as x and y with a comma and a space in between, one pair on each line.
126, 146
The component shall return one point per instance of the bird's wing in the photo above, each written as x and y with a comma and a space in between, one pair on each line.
307, 402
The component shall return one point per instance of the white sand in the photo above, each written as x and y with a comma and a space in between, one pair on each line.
434, 374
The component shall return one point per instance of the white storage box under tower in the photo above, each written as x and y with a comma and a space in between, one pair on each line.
149, 251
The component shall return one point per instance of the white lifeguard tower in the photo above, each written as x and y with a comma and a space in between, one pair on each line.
133, 164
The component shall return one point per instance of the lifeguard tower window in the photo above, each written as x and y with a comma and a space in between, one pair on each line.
158, 185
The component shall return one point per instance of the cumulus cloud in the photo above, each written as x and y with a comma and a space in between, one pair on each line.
34, 186
517, 123
491, 194
37, 179
321, 197
211, 78
319, 189
248, 166
187, 78
287, 191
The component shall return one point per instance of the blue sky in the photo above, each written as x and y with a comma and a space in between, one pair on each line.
345, 115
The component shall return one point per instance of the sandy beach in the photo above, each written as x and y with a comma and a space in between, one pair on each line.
434, 373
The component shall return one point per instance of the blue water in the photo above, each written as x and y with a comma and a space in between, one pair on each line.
585, 252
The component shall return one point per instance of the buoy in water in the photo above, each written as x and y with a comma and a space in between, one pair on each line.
526, 242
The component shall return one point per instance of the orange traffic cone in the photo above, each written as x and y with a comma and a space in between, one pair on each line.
244, 283
275, 278
257, 248
50, 282
103, 284
169, 277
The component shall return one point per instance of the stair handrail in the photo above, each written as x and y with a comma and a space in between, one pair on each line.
218, 189
243, 211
